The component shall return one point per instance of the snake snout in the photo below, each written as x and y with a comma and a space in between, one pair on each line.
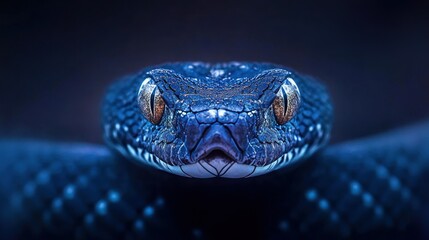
217, 145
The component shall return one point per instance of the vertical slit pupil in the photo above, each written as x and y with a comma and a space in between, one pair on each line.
284, 101
152, 102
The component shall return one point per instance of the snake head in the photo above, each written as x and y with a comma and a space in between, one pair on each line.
229, 120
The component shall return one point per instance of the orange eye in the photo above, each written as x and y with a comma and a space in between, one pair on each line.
287, 102
150, 101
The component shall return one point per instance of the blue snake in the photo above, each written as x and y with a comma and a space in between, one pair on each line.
258, 129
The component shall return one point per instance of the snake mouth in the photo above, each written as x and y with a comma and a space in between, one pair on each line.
216, 163
217, 156
217, 159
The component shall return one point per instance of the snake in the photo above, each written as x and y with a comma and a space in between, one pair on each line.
235, 150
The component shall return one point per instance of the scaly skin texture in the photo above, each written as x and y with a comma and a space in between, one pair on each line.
371, 188
232, 100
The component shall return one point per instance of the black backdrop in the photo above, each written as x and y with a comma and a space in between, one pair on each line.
57, 58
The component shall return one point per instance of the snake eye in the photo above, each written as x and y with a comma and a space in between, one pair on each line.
287, 102
150, 101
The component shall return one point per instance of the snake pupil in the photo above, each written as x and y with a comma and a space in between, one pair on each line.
284, 101
152, 102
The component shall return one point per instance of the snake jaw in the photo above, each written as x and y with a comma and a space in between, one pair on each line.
219, 163
219, 167
216, 164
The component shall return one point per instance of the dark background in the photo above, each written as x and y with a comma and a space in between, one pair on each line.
58, 58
